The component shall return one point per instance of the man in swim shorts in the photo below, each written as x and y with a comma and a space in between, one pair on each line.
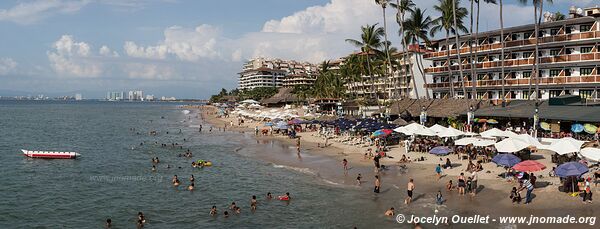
409, 190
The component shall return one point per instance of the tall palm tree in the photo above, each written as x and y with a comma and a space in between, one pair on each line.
415, 31
538, 9
502, 42
403, 6
456, 38
558, 16
369, 44
383, 4
446, 23
475, 36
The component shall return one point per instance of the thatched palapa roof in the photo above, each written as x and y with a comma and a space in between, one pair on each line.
283, 96
438, 108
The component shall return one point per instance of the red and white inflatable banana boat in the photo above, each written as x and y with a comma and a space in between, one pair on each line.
50, 154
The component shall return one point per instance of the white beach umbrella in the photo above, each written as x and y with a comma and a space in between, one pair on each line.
415, 129
529, 139
252, 101
494, 132
484, 142
438, 128
465, 141
511, 145
592, 154
565, 145
455, 131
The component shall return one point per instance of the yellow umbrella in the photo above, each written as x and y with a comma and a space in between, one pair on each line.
589, 128
545, 126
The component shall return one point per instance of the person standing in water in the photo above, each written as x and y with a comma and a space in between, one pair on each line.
345, 165
409, 189
377, 184
253, 203
213, 210
358, 182
175, 181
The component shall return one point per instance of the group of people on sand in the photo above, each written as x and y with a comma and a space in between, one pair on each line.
253, 205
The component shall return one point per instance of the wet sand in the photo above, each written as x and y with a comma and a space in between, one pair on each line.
325, 163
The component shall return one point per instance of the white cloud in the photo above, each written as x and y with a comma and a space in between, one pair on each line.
33, 11
149, 71
185, 44
105, 51
7, 65
71, 58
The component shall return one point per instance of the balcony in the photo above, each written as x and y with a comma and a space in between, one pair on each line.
518, 43
558, 80
520, 62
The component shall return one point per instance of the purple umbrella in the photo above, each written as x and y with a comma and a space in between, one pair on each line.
506, 159
571, 169
440, 150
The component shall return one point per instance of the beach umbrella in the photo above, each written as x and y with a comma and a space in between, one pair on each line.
465, 141
454, 132
296, 121
565, 145
529, 166
484, 142
492, 121
592, 154
482, 120
415, 129
250, 101
381, 133
571, 169
529, 139
511, 145
589, 128
576, 128
400, 121
494, 132
506, 159
269, 124
545, 126
440, 150
438, 128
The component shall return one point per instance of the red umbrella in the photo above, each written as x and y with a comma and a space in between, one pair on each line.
529, 166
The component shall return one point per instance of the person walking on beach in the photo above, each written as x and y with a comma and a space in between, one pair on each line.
474, 183
526, 184
377, 184
438, 171
409, 189
461, 184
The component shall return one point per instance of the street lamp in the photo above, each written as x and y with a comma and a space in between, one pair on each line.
470, 117
536, 120
423, 116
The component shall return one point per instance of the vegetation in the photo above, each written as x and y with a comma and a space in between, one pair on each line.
256, 94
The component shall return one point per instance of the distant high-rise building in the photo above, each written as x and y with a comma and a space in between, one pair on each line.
135, 95
78, 97
114, 96
149, 97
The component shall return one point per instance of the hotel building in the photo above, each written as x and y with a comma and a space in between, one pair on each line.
263, 72
569, 61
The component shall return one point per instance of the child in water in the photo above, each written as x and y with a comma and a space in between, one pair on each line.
438, 198
213, 210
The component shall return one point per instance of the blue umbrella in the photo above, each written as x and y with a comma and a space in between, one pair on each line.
506, 159
576, 128
571, 169
269, 124
440, 150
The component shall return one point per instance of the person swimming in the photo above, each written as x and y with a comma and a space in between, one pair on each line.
153, 168
233, 206
175, 181
269, 195
253, 203
213, 210
192, 179
238, 210
108, 223
389, 212
225, 214
191, 187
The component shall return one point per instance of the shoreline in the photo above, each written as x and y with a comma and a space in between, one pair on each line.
491, 190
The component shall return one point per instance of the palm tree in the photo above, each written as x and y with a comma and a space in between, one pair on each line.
538, 9
474, 55
383, 4
502, 40
558, 16
403, 6
446, 23
369, 44
415, 31
456, 38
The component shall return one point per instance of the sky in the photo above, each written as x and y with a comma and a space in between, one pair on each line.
186, 48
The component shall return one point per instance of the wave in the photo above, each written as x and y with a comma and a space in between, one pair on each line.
301, 170
194, 126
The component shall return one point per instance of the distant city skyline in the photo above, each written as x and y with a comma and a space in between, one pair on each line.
184, 48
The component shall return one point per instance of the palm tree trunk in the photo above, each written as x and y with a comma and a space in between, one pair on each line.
421, 67
400, 21
406, 55
450, 80
460, 70
502, 52
535, 54
537, 67
476, 52
473, 90
387, 52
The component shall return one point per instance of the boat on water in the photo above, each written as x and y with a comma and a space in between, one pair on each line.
50, 154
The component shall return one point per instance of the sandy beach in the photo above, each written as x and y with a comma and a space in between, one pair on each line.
492, 197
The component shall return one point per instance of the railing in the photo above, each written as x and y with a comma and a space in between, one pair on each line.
517, 43
519, 62
523, 82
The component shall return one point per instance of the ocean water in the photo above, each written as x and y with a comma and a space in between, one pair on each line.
113, 177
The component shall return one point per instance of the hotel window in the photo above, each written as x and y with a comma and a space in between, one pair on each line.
586, 94
527, 54
480, 59
586, 49
554, 72
514, 56
480, 95
480, 76
586, 71
525, 95
515, 36
526, 74
554, 31
527, 35
585, 28
555, 93
554, 52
